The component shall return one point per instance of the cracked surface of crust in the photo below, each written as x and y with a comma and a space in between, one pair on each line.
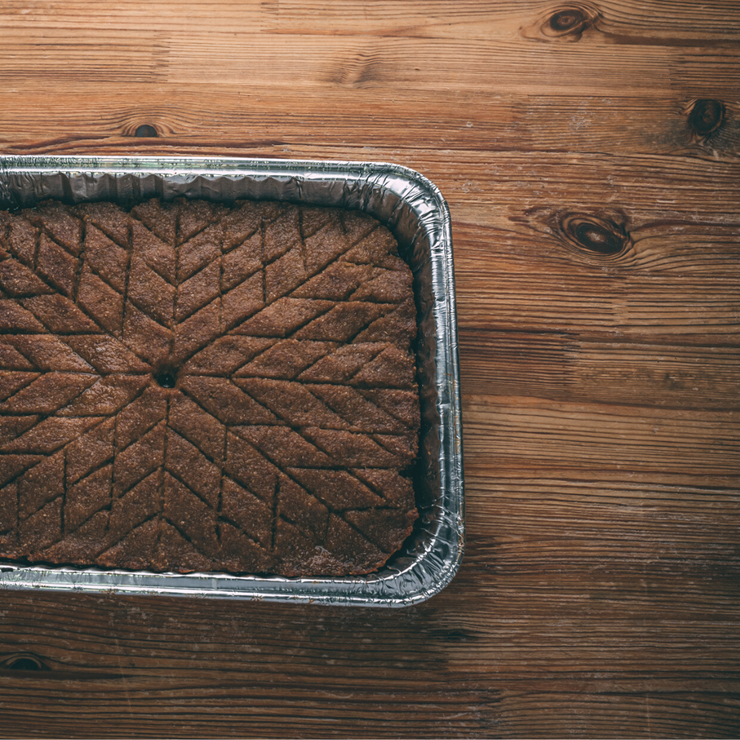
193, 386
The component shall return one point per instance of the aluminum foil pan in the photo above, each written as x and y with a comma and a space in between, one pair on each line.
415, 211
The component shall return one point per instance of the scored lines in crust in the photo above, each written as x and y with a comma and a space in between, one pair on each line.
320, 435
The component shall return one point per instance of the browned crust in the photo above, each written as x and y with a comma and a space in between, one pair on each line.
194, 386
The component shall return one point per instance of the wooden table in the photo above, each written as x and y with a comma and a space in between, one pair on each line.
589, 154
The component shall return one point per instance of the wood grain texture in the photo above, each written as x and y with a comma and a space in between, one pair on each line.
590, 155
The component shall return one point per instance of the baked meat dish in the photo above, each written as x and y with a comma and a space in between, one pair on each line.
194, 386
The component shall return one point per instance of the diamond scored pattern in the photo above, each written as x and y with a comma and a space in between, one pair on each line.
287, 333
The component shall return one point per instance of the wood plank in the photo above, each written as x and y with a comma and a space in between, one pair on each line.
258, 61
620, 21
529, 433
230, 115
562, 366
683, 532
284, 49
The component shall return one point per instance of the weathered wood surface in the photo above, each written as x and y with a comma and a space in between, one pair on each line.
590, 156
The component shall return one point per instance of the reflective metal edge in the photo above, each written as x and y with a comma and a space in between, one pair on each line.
414, 209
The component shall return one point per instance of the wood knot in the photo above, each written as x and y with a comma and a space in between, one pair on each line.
146, 131
571, 20
23, 662
568, 22
705, 117
594, 235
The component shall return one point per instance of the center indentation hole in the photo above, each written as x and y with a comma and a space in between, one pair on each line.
166, 377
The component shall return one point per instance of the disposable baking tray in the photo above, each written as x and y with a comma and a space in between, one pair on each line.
415, 211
